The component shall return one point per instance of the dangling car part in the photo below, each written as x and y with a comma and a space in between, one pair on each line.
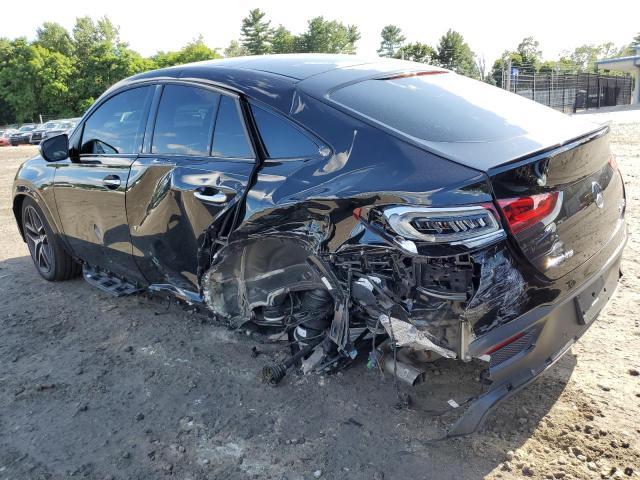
356, 207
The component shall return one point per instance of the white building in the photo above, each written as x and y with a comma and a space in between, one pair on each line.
625, 64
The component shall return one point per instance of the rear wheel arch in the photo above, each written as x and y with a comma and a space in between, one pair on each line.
251, 272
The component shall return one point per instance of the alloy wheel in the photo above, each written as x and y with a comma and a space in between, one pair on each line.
37, 240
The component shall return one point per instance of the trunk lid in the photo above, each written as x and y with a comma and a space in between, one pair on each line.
580, 196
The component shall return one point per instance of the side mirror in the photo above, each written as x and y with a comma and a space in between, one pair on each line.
56, 148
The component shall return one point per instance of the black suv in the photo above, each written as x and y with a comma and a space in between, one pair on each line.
346, 202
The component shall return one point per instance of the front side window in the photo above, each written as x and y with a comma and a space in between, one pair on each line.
230, 139
281, 138
117, 126
184, 123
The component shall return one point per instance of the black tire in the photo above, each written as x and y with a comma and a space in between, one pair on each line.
49, 256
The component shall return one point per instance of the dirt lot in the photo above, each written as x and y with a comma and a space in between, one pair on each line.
97, 387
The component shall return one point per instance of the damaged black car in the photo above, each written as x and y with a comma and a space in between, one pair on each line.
344, 201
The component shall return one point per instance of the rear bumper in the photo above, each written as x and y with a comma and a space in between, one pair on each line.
547, 333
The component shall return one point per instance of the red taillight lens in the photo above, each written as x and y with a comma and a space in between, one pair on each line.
612, 163
413, 74
524, 212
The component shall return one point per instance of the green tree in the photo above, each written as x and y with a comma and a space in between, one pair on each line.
392, 40
526, 58
194, 51
584, 57
87, 33
455, 54
101, 60
501, 65
33, 80
53, 72
60, 74
417, 52
283, 41
256, 34
17, 86
530, 54
629, 49
496, 71
329, 36
55, 38
235, 49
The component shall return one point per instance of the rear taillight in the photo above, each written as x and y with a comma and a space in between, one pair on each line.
612, 163
467, 225
524, 212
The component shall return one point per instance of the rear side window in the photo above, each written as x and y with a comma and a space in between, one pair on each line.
443, 107
230, 139
282, 138
184, 123
117, 126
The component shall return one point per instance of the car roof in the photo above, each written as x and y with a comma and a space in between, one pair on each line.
295, 66
273, 79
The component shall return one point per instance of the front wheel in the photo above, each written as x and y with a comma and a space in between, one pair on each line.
49, 257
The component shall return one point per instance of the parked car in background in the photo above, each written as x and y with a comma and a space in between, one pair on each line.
4, 136
41, 132
23, 135
53, 128
66, 126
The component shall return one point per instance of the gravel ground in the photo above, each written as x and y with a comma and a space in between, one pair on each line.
97, 387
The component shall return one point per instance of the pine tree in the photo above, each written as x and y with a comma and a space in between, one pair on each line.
392, 40
256, 34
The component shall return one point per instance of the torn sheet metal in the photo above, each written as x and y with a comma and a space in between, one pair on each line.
250, 274
500, 295
407, 335
402, 365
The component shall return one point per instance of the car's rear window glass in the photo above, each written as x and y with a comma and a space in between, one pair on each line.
230, 139
184, 122
442, 107
281, 138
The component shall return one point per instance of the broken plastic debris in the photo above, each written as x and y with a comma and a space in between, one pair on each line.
407, 335
372, 361
453, 403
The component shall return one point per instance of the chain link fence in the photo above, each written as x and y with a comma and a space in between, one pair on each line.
570, 92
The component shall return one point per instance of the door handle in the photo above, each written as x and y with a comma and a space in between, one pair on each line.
217, 197
112, 182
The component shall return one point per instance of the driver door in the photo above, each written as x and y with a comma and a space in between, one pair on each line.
90, 189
